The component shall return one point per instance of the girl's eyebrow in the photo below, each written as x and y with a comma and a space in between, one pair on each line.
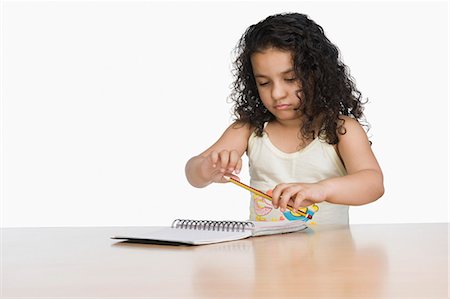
282, 73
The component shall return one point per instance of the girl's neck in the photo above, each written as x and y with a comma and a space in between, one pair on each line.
288, 124
286, 135
295, 125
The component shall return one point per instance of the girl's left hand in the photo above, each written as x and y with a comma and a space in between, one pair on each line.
297, 195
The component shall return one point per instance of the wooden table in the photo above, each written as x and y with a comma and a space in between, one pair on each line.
360, 261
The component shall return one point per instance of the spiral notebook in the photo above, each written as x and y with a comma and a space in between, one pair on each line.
201, 232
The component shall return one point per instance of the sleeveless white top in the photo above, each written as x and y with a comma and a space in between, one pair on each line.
269, 166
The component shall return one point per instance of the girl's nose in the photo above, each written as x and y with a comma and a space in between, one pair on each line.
278, 91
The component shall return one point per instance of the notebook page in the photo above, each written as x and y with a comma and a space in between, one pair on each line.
189, 236
277, 227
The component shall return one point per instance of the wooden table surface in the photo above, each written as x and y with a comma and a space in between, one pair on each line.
360, 261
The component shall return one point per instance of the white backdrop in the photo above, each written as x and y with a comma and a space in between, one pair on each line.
104, 102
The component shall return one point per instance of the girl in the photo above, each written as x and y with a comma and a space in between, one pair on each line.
298, 116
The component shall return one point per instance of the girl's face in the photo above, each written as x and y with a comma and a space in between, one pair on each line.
277, 83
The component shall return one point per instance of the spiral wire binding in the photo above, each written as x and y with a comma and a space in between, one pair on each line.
213, 225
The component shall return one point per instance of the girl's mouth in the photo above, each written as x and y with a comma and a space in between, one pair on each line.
282, 106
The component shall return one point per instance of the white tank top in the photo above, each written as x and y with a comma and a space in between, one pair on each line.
270, 166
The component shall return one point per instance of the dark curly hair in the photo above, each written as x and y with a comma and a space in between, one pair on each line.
328, 89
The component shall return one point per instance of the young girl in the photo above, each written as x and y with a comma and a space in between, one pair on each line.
298, 116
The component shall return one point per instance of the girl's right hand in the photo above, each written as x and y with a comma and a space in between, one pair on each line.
222, 163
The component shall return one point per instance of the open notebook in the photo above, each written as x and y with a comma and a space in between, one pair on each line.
201, 232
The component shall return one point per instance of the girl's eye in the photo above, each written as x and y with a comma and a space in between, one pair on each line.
263, 83
291, 79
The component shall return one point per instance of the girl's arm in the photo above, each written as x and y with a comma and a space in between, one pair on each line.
222, 158
364, 180
362, 184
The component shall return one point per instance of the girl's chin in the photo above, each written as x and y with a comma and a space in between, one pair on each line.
287, 116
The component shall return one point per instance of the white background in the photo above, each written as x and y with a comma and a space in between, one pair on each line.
104, 102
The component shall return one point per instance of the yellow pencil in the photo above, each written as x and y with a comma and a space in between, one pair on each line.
260, 193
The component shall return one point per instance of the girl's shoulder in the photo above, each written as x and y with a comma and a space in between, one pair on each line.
350, 130
234, 137
241, 128
349, 123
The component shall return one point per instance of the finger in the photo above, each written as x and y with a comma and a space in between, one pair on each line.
233, 176
306, 203
290, 203
214, 157
275, 196
285, 198
299, 199
233, 160
276, 193
224, 157
239, 166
